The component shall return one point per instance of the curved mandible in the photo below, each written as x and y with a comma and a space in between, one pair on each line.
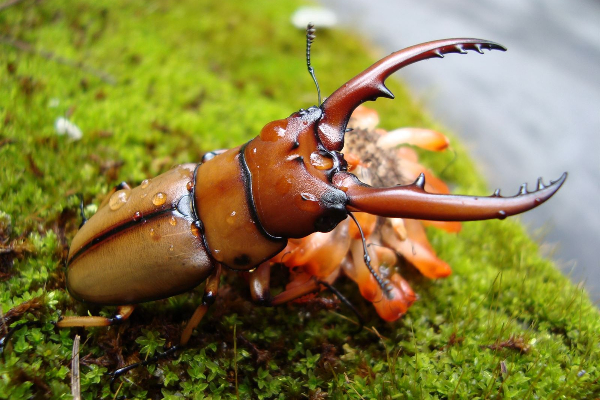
369, 85
412, 201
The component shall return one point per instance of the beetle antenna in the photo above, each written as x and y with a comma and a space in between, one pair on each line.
454, 158
343, 299
310, 36
367, 259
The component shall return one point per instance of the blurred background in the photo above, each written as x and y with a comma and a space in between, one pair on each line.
533, 111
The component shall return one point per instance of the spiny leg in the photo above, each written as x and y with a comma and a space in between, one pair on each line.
4, 341
343, 299
261, 294
210, 292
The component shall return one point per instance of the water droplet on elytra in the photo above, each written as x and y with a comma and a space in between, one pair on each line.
145, 183
173, 221
137, 216
119, 198
159, 199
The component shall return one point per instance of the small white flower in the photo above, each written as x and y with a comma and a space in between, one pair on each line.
64, 126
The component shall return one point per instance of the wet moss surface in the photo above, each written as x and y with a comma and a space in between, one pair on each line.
155, 84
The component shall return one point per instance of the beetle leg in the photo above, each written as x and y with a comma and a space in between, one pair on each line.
122, 314
81, 213
343, 299
210, 294
260, 280
4, 340
122, 185
212, 154
310, 286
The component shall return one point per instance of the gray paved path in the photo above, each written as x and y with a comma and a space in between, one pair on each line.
532, 111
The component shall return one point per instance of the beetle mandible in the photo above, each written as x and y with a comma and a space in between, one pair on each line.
238, 207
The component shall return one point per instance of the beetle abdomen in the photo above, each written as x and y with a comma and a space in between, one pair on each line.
142, 245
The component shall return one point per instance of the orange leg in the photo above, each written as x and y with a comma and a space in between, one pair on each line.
310, 286
123, 313
210, 293
260, 280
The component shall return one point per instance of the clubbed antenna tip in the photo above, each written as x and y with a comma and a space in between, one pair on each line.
310, 36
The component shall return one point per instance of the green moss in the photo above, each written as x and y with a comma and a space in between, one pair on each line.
192, 76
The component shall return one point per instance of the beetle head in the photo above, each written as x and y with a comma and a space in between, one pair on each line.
299, 179
291, 174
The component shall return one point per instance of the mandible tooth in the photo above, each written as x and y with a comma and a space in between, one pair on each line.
523, 189
540, 184
460, 49
420, 181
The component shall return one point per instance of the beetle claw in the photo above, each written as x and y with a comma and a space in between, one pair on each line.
369, 85
411, 201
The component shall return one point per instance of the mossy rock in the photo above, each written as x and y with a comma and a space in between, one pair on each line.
153, 84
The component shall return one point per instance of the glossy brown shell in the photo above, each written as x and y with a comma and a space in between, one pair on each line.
141, 245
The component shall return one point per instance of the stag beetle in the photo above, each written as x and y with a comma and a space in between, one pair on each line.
238, 207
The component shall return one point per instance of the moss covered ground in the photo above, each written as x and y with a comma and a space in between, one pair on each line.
153, 84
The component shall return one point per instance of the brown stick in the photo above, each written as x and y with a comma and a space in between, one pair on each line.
75, 376
48, 55
8, 4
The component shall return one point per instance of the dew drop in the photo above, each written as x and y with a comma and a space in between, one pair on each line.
145, 183
501, 214
159, 199
189, 186
143, 195
137, 216
119, 198
173, 221
171, 248
231, 219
